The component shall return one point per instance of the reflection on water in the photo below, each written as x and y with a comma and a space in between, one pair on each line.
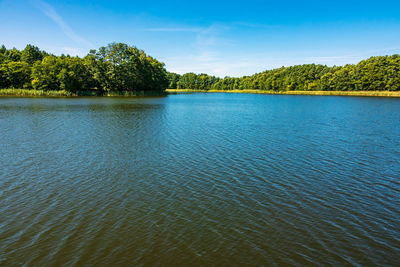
200, 179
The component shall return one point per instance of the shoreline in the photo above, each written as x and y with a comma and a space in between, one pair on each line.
328, 93
63, 93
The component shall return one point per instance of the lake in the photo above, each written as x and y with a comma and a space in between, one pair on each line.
200, 179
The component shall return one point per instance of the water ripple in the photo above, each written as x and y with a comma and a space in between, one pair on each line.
201, 179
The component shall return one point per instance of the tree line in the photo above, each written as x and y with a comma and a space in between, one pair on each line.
380, 73
115, 67
123, 68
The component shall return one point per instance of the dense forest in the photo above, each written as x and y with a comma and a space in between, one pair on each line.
116, 67
374, 74
122, 68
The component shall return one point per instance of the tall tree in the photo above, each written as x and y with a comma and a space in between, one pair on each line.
31, 54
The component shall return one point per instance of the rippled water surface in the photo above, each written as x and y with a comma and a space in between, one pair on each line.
200, 179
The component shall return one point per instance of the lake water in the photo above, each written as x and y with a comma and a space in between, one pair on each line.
200, 179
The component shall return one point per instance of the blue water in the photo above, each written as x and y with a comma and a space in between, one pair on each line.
200, 179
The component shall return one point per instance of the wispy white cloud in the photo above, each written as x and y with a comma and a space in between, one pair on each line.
174, 29
49, 11
207, 53
256, 25
216, 50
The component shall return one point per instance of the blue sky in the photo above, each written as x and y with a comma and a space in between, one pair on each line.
222, 38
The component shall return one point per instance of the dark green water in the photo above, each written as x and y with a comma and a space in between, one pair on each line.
200, 179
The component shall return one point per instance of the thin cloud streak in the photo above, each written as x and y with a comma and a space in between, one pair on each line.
49, 11
172, 29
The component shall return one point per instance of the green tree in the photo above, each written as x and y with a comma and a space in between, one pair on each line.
173, 79
121, 67
31, 54
15, 75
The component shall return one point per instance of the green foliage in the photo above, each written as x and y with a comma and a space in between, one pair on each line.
173, 79
116, 67
3, 51
122, 68
31, 54
61, 73
304, 77
15, 75
119, 67
374, 74
196, 81
12, 55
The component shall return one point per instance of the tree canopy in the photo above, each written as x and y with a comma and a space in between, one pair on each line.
123, 68
374, 74
115, 67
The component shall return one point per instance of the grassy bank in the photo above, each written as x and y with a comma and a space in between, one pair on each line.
335, 93
26, 92
134, 93
63, 93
